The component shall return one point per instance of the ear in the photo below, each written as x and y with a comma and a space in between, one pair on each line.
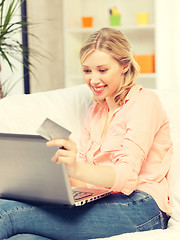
125, 68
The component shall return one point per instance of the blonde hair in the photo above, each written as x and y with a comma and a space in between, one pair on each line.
115, 43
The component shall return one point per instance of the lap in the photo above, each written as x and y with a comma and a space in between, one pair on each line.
112, 215
28, 237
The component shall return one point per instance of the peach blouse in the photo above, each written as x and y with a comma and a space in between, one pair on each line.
137, 144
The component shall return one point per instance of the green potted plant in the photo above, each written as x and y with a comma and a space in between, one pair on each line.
10, 47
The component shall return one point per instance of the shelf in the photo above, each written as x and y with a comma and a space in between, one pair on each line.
141, 37
122, 28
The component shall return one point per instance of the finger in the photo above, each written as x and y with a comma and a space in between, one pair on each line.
61, 143
55, 157
67, 144
63, 153
63, 160
55, 142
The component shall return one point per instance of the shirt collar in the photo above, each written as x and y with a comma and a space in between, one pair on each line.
133, 92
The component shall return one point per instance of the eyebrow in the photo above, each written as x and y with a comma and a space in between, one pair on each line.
103, 65
99, 66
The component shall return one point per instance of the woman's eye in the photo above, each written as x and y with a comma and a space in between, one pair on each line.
103, 70
86, 71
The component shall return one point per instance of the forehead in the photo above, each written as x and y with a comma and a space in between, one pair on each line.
98, 57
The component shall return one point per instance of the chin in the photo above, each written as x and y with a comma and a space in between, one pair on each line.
99, 99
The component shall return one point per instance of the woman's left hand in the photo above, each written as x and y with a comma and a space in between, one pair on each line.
66, 153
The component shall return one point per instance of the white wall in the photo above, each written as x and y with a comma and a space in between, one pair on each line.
48, 61
168, 47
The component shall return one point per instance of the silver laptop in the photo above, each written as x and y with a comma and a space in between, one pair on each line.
27, 173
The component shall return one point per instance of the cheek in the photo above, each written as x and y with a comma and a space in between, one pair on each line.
117, 81
86, 78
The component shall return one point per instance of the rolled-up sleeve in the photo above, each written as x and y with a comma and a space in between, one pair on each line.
144, 119
127, 164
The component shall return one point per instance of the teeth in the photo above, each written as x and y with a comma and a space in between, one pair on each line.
98, 88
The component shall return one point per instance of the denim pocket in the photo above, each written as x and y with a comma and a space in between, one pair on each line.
154, 223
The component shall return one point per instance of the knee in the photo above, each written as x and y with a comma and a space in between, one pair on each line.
10, 218
6, 228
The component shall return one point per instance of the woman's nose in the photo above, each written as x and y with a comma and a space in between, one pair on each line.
94, 79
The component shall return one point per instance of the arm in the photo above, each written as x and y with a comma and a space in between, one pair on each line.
77, 183
103, 176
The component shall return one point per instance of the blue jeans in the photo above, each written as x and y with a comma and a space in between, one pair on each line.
113, 215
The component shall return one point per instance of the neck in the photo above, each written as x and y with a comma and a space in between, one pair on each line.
111, 105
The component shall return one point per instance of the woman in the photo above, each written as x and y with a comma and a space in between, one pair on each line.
125, 146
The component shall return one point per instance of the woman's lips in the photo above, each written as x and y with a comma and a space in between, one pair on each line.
99, 89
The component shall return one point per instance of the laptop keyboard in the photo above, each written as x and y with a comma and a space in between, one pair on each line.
79, 195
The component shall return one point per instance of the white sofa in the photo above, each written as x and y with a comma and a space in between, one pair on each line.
25, 113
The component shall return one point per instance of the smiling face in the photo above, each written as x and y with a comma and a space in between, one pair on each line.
108, 65
103, 74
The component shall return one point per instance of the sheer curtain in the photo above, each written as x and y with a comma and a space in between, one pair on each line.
168, 43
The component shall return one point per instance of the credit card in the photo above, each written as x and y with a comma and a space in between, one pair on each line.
51, 130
